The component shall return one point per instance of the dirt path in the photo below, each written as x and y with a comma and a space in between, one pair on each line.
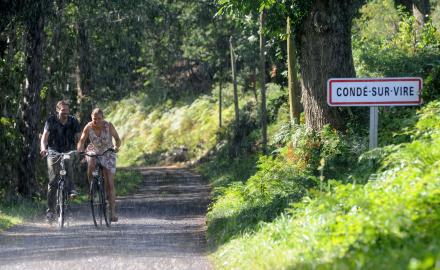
162, 226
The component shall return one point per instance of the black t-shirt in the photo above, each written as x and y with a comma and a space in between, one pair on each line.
62, 137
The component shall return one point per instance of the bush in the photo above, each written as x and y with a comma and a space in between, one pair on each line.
392, 222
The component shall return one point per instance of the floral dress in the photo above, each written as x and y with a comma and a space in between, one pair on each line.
99, 144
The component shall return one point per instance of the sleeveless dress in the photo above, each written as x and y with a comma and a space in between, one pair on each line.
98, 144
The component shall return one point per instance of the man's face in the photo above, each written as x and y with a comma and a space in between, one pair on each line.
63, 112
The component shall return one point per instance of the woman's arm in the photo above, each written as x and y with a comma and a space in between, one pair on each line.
115, 135
84, 135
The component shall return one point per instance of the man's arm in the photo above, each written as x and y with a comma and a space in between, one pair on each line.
43, 143
77, 137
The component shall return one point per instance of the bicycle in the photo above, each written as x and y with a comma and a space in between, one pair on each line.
62, 204
98, 200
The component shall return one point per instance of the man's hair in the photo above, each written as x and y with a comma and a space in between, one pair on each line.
62, 103
98, 111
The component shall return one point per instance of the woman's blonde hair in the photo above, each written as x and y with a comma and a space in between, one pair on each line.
98, 111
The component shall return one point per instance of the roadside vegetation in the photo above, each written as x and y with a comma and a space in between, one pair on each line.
16, 212
318, 198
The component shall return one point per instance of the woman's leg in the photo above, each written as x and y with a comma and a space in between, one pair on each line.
91, 163
110, 187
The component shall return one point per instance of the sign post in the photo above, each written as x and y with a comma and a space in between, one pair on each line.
374, 123
374, 92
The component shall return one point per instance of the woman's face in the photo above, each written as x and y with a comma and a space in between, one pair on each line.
97, 119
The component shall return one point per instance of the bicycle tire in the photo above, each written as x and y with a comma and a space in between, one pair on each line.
95, 202
61, 204
105, 208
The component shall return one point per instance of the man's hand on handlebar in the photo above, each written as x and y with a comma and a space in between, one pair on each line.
43, 153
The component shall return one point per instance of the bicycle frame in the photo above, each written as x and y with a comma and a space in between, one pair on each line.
99, 205
62, 195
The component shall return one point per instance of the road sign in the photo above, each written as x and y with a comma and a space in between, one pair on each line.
374, 91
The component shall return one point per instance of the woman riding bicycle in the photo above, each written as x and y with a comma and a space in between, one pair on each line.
100, 134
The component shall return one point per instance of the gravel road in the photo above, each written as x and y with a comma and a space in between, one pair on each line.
162, 226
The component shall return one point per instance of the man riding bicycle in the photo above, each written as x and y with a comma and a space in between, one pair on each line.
61, 132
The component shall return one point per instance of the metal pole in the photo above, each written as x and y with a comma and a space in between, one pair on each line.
374, 120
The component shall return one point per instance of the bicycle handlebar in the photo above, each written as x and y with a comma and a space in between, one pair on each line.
96, 155
51, 152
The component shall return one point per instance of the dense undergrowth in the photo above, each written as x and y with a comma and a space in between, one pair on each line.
150, 130
322, 200
391, 222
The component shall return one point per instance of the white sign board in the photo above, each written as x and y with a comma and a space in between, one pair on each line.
374, 91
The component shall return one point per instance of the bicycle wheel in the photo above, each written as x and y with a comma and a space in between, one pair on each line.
105, 207
61, 204
96, 202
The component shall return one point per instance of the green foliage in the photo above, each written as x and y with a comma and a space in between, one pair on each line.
388, 42
16, 212
127, 181
147, 130
431, 88
391, 222
9, 142
240, 207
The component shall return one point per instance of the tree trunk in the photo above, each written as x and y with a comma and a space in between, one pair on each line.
263, 85
83, 74
294, 93
30, 104
55, 62
418, 8
254, 84
325, 37
234, 79
220, 104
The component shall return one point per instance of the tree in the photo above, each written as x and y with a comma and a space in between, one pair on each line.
418, 8
262, 76
325, 52
293, 84
84, 79
234, 80
30, 103
323, 28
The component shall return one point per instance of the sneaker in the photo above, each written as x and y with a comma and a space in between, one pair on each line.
50, 217
73, 194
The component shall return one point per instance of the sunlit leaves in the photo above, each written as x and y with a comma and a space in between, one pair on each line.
391, 222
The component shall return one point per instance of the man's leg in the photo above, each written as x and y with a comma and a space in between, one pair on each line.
70, 185
53, 171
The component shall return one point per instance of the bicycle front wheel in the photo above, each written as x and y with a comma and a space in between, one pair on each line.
105, 207
98, 203
61, 204
95, 202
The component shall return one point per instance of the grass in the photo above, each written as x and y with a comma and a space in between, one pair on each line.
127, 181
391, 222
15, 213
